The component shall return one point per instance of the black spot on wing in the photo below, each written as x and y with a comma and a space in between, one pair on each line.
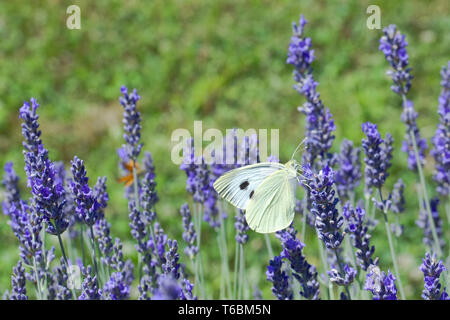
244, 185
251, 193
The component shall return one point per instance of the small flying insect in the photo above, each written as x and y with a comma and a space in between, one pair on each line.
128, 178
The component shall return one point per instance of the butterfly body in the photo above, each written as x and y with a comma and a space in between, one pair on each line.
266, 191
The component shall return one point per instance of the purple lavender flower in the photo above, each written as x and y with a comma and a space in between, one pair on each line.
241, 227
197, 172
187, 290
31, 133
378, 156
199, 183
280, 283
18, 282
432, 270
89, 287
320, 123
409, 117
441, 139
359, 234
88, 207
342, 280
168, 289
149, 196
27, 226
348, 176
171, 266
48, 195
116, 288
303, 272
131, 122
381, 285
398, 197
102, 229
393, 45
11, 184
189, 234
328, 221
60, 280
138, 228
424, 223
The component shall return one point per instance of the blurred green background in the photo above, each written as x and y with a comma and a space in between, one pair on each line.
222, 62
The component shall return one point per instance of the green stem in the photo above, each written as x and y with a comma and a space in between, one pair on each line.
38, 280
83, 255
269, 246
94, 254
325, 266
236, 263
425, 194
391, 245
60, 243
339, 262
241, 272
223, 238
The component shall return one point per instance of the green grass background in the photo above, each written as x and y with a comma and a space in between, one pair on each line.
222, 62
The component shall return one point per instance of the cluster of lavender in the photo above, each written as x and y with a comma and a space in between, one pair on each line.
381, 285
302, 271
348, 175
432, 270
63, 201
161, 274
59, 201
358, 231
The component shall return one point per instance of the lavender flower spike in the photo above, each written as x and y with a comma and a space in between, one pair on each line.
432, 270
359, 234
88, 207
378, 156
241, 227
48, 193
342, 280
423, 222
279, 279
328, 221
18, 280
381, 285
441, 139
11, 184
319, 121
393, 45
348, 176
131, 122
116, 288
303, 272
189, 234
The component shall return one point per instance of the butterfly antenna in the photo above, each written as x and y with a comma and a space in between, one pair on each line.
296, 149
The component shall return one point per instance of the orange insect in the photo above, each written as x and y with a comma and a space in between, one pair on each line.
128, 179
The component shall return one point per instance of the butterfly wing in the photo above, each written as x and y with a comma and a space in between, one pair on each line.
238, 186
272, 207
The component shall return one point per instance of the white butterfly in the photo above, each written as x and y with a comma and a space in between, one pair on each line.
266, 191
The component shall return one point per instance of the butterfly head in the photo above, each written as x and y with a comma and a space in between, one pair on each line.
302, 172
294, 166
